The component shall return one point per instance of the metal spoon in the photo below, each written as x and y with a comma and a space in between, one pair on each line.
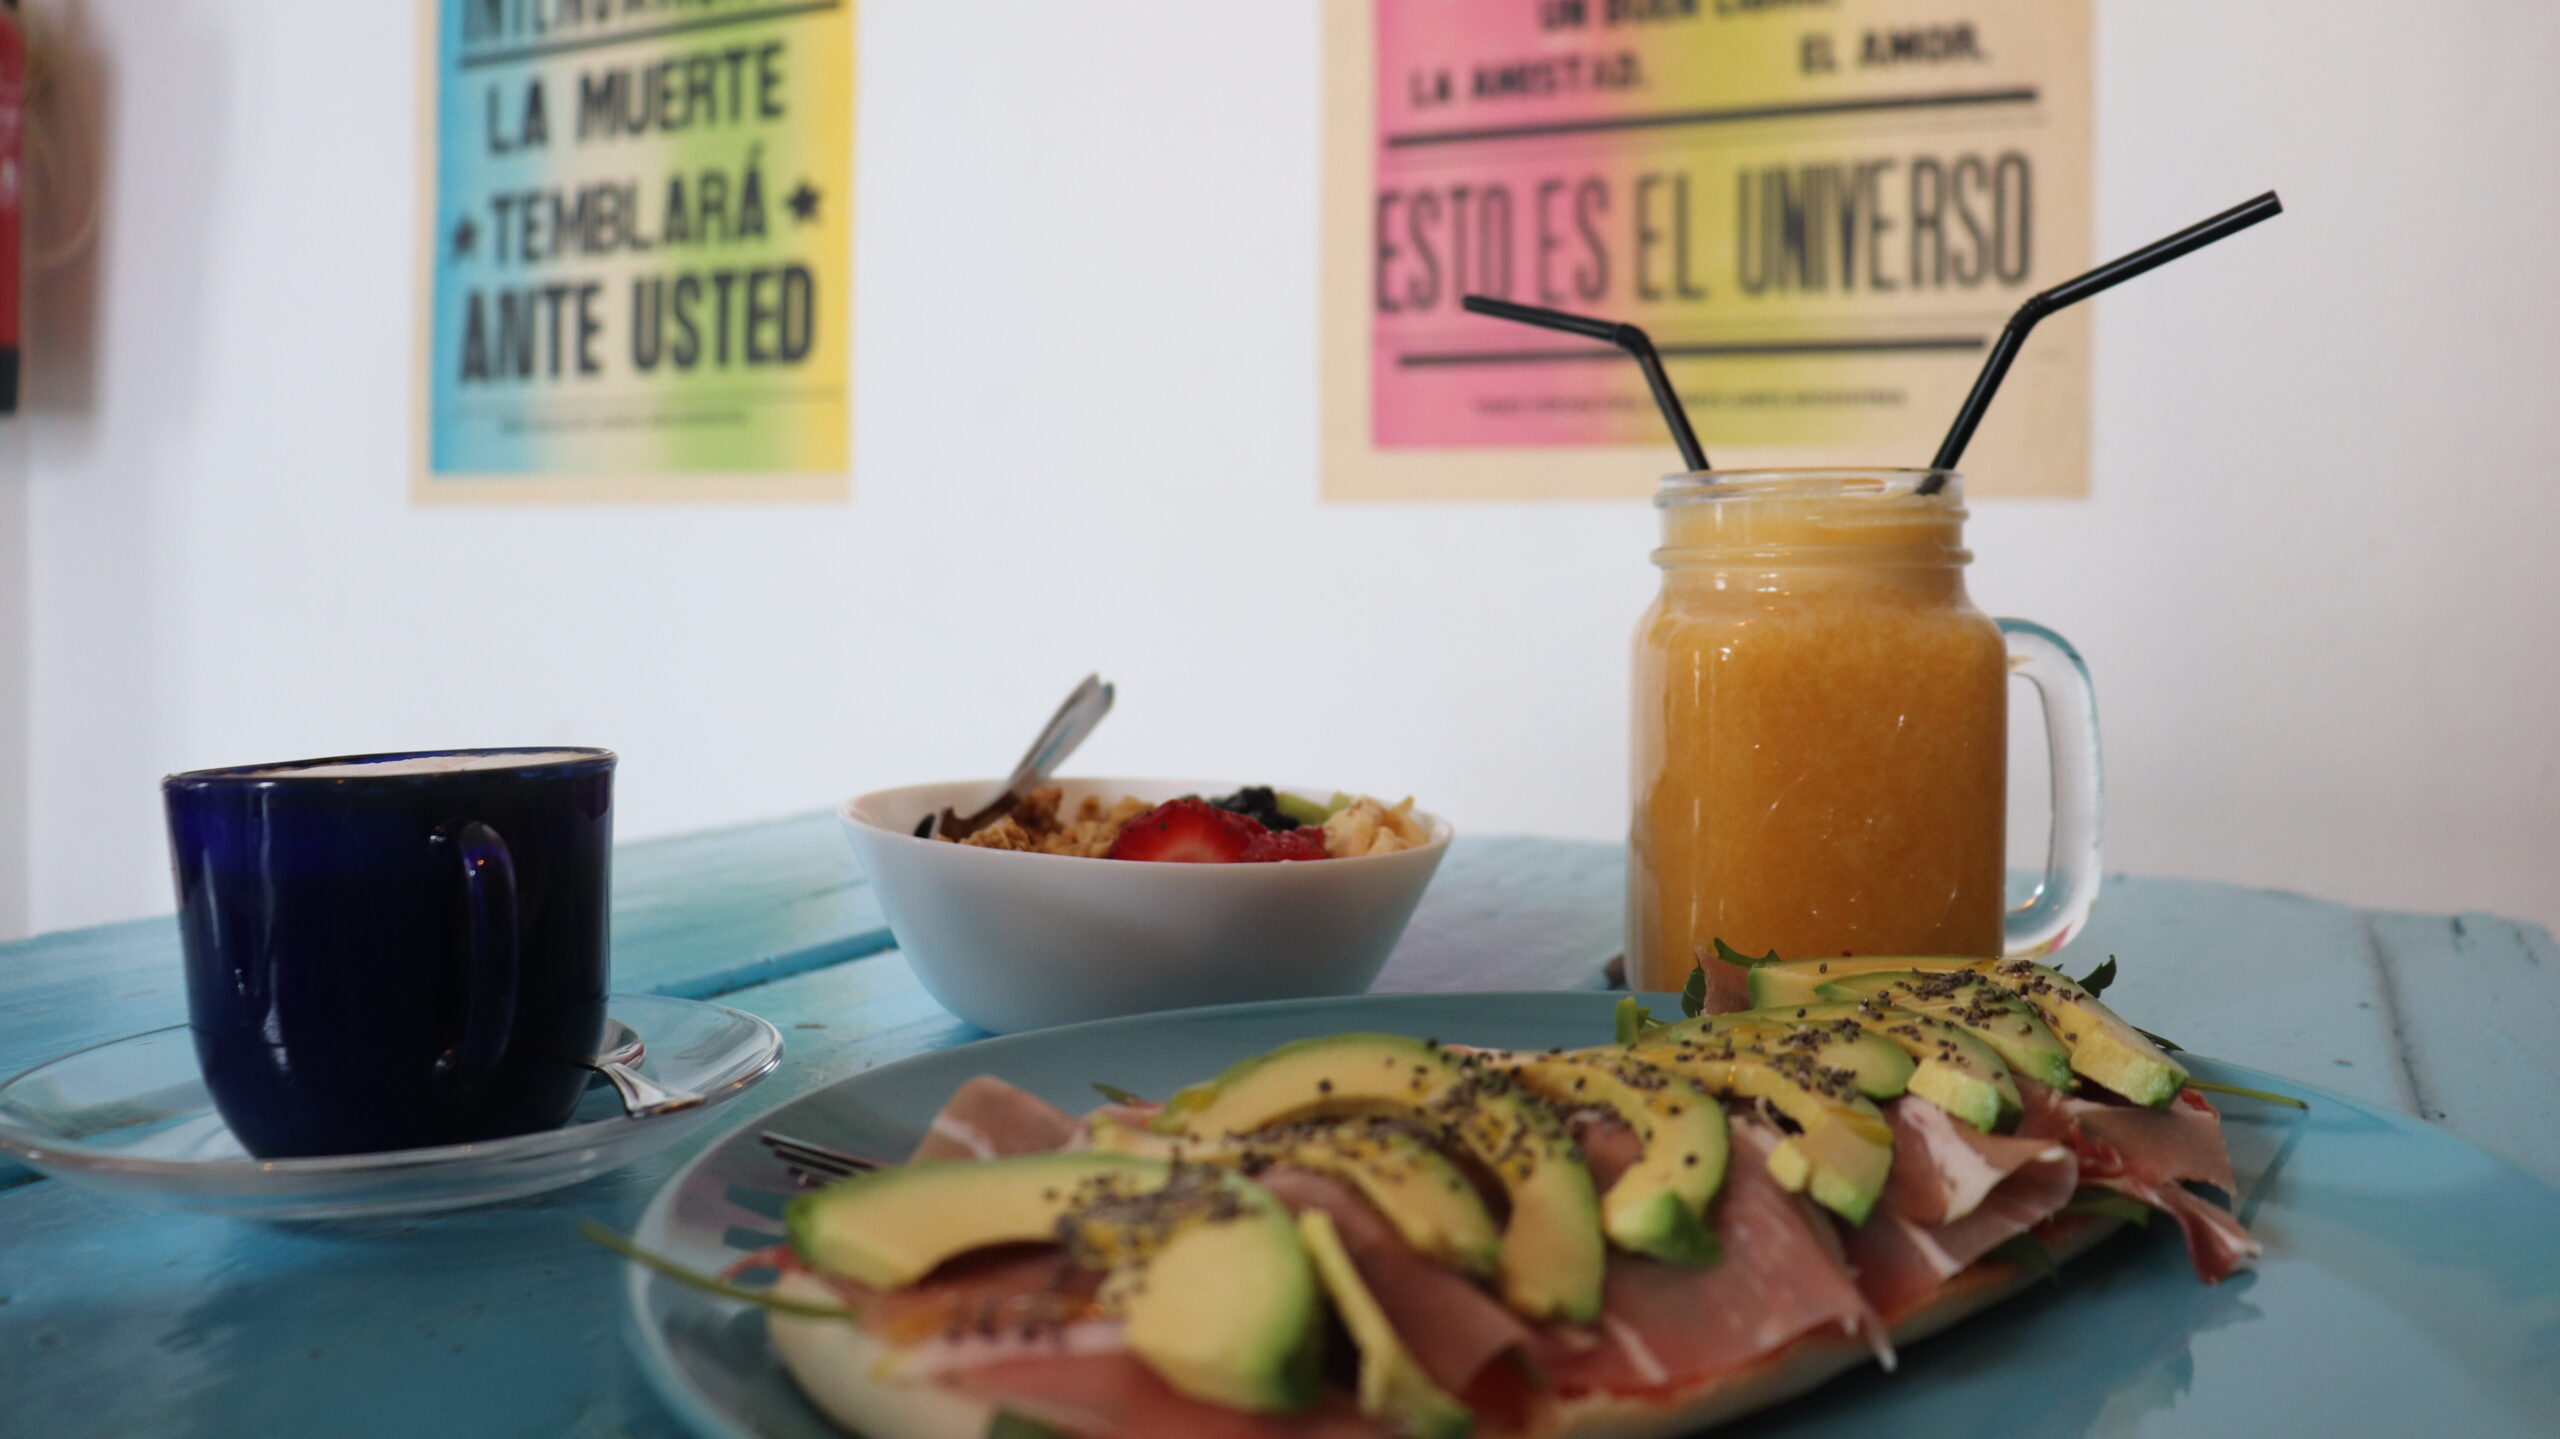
1075, 720
617, 1059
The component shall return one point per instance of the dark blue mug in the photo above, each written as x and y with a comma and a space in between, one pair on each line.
394, 951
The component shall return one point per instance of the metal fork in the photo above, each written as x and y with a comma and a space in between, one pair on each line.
815, 1164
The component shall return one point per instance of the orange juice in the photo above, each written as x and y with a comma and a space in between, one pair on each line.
1821, 730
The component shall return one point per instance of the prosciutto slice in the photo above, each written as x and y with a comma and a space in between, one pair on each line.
987, 1118
1943, 1167
1913, 1244
1454, 1329
1782, 1278
2150, 1155
1609, 1144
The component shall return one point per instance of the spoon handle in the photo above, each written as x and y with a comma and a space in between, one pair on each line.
1068, 728
643, 1096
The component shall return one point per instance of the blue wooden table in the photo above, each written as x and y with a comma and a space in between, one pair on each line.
117, 1319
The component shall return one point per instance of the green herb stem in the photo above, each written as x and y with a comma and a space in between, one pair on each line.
2209, 1087
761, 1298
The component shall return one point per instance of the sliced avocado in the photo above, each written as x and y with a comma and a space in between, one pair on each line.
1658, 1206
1418, 1189
1978, 1005
2104, 1049
1204, 1265
1300, 808
1954, 1071
1552, 1254
1950, 1068
1843, 1148
891, 1227
1878, 1067
1392, 1386
1794, 981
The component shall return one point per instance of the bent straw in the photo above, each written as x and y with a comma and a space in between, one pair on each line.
2072, 292
1626, 337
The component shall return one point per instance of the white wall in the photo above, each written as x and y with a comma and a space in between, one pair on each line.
2311, 580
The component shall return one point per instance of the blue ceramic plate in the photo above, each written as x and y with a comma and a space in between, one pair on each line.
2411, 1283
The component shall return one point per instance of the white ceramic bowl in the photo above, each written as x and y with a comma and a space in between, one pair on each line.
1012, 941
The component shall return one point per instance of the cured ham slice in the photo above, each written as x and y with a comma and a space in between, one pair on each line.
1114, 1396
1901, 1258
2150, 1155
981, 1293
1453, 1328
1609, 1144
1944, 1167
1781, 1278
987, 1118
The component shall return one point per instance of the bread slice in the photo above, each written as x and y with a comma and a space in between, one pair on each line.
840, 1368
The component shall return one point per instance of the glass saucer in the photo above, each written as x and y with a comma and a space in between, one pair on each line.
132, 1116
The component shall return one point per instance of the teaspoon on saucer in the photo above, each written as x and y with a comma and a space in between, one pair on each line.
617, 1058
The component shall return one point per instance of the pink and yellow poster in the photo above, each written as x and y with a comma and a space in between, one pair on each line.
638, 253
1822, 211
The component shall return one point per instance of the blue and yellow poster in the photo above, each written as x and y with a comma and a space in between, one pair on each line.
639, 231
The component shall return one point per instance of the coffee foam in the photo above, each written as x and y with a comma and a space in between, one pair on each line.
419, 764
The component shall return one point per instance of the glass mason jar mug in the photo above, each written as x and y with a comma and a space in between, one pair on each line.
1821, 734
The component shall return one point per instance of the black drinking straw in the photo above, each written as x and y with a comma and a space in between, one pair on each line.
2072, 292
1626, 337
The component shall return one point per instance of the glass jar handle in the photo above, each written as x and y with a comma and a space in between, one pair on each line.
2060, 905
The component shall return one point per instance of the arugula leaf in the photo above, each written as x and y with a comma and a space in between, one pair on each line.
2209, 1087
762, 1299
1693, 995
2097, 980
1634, 1019
1731, 955
2107, 1204
1116, 1094
2170, 1045
1009, 1425
2032, 1258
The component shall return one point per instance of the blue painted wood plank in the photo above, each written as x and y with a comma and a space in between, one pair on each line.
696, 915
2477, 1003
1512, 912
692, 915
2275, 981
120, 1320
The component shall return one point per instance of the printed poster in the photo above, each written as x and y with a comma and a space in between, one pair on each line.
1822, 211
638, 253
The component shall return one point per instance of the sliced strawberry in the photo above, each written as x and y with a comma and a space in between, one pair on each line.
1301, 843
1186, 831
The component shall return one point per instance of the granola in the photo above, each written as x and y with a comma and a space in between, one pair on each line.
1039, 823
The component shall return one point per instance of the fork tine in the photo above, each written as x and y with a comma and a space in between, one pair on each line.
815, 1159
825, 1167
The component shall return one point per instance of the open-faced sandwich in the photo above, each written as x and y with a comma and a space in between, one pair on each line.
1370, 1234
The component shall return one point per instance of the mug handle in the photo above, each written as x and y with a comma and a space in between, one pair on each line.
2060, 904
489, 1017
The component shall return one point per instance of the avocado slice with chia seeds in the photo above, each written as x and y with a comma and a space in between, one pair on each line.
1949, 1067
1416, 1188
1975, 1003
1878, 1067
2099, 1045
1552, 1253
1204, 1266
1783, 983
1658, 1206
2104, 1049
1841, 1149
1393, 1387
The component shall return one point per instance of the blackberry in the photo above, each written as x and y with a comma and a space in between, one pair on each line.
1257, 802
